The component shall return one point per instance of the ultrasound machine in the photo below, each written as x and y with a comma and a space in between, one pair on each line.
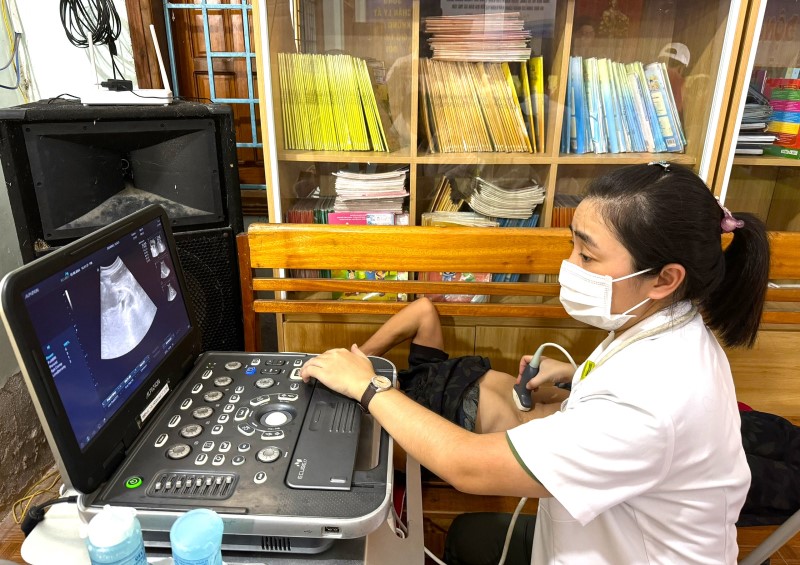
136, 415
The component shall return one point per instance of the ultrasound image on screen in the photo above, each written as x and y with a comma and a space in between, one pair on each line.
105, 323
126, 312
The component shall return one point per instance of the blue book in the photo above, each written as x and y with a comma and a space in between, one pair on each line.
628, 111
657, 87
609, 108
579, 139
594, 106
658, 136
642, 118
569, 120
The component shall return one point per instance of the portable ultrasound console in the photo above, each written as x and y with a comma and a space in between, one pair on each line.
136, 416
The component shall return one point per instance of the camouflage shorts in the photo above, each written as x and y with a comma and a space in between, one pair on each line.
447, 386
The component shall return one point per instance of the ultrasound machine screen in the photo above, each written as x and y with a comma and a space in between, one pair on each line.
105, 323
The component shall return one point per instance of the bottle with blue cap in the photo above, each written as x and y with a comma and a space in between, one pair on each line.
114, 537
196, 538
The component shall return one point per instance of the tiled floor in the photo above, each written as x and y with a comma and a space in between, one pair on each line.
11, 539
749, 538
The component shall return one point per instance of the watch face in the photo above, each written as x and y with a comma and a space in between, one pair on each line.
382, 382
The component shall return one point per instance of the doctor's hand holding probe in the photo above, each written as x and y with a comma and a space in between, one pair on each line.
643, 463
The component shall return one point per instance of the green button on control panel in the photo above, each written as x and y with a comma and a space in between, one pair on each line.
133, 482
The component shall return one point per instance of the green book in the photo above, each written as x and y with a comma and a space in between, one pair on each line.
778, 151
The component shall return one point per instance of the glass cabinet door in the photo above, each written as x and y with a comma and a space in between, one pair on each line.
765, 179
502, 109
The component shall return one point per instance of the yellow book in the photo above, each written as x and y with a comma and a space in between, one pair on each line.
286, 101
518, 130
526, 92
370, 108
441, 113
307, 111
425, 115
294, 93
472, 105
497, 80
355, 113
488, 107
326, 132
338, 102
536, 78
461, 116
290, 97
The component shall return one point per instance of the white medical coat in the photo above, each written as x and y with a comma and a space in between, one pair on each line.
645, 460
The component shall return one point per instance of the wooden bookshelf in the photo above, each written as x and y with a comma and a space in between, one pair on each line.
756, 161
393, 38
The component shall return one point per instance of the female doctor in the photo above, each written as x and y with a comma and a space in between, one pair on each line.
644, 462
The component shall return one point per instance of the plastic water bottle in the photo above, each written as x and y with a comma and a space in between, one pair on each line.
114, 537
196, 538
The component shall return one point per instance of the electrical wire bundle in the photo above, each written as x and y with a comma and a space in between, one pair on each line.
92, 22
14, 58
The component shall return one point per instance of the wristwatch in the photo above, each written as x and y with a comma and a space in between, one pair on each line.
378, 384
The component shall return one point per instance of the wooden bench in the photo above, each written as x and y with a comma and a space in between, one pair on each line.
516, 318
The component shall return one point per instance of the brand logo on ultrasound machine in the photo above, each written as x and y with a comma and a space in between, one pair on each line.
301, 463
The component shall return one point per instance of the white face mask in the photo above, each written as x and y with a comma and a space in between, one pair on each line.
587, 297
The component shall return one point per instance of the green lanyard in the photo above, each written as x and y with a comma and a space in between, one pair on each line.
677, 323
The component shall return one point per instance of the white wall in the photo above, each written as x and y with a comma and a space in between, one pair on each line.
60, 67
10, 257
23, 451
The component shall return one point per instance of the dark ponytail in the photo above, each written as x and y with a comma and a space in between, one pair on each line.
664, 213
734, 308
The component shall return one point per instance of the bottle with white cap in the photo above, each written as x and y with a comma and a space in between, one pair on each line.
114, 537
196, 538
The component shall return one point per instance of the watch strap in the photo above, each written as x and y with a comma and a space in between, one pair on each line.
371, 390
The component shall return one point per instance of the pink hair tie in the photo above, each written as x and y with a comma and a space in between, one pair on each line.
729, 223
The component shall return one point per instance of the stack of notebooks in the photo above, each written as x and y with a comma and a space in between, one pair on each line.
327, 103
509, 202
469, 107
370, 192
752, 135
481, 37
618, 108
442, 219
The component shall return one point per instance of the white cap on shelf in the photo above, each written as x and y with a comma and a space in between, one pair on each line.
677, 51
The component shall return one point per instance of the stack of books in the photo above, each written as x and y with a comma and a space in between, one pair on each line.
370, 192
310, 210
328, 103
784, 97
444, 198
752, 135
564, 206
618, 108
481, 37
